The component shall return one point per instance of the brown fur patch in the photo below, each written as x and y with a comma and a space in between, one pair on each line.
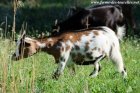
87, 46
96, 33
67, 47
89, 55
64, 37
94, 48
56, 52
90, 40
62, 49
77, 47
76, 36
78, 58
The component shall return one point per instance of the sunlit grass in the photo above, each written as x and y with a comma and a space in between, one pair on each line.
34, 74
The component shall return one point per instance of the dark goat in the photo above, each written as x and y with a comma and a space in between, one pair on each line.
126, 10
109, 16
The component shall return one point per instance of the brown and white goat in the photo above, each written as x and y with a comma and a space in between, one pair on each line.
80, 47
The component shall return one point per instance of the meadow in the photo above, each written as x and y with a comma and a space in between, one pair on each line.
34, 74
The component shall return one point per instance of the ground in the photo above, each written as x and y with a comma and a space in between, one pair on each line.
34, 74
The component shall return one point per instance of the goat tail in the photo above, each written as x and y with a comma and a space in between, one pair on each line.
121, 31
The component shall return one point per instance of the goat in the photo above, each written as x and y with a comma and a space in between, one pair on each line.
82, 47
109, 16
126, 9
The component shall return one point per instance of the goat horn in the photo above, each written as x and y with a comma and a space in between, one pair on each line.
87, 22
24, 32
56, 22
58, 28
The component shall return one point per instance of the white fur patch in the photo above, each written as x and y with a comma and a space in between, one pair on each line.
85, 38
121, 32
41, 45
28, 39
69, 43
71, 37
50, 39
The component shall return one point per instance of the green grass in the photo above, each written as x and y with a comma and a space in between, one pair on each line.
34, 74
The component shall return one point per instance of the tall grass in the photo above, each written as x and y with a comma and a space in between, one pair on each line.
33, 74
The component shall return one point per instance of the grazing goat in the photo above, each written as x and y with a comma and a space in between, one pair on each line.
81, 47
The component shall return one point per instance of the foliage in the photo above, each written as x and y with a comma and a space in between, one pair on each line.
40, 18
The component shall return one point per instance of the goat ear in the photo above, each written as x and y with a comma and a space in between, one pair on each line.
87, 22
50, 44
58, 29
27, 41
23, 34
27, 44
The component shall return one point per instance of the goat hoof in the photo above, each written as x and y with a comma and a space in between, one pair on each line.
56, 76
93, 75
